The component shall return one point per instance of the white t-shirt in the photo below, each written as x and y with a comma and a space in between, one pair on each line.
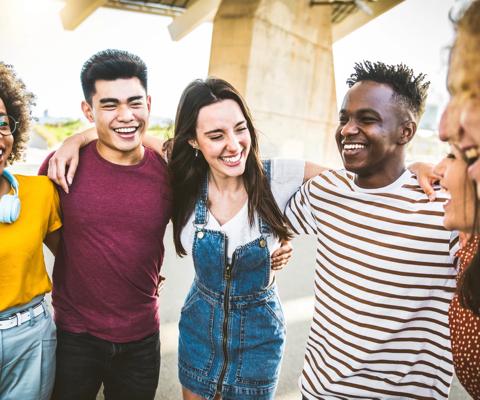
286, 178
384, 279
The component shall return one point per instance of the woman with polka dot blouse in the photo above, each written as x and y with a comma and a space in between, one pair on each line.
460, 176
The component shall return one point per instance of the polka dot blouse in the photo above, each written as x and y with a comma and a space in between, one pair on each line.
465, 333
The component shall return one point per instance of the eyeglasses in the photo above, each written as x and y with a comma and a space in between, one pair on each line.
8, 125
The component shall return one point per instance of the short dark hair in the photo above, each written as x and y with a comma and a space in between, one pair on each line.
409, 89
18, 102
109, 65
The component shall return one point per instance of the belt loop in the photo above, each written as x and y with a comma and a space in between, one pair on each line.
30, 311
45, 308
19, 318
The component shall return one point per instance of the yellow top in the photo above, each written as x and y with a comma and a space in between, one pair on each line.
23, 275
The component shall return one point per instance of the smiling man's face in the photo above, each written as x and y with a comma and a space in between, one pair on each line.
120, 110
370, 129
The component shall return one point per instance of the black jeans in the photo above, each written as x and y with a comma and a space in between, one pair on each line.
127, 370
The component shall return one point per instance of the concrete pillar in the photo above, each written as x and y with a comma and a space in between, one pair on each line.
278, 54
76, 11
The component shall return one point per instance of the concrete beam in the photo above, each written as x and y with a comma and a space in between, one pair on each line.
200, 11
359, 18
76, 11
145, 8
278, 54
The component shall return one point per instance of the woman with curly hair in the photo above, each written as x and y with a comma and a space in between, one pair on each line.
29, 216
460, 176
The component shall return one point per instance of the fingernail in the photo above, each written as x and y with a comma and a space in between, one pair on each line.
431, 197
69, 180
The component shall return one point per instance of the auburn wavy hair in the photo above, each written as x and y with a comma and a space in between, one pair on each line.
467, 52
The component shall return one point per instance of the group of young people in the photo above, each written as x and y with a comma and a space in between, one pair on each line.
384, 324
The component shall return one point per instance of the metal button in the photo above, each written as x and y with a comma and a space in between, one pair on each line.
200, 234
262, 243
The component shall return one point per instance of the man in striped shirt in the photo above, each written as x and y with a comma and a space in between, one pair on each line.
384, 275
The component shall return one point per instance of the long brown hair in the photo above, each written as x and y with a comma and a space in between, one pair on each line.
468, 287
187, 171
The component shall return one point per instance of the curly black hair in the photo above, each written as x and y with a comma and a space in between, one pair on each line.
18, 102
409, 89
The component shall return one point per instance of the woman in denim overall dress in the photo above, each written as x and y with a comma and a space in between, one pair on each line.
232, 330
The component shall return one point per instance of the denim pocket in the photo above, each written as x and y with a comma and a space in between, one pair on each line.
262, 341
190, 299
47, 366
195, 343
274, 307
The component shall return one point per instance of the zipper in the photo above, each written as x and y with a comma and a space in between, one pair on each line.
226, 309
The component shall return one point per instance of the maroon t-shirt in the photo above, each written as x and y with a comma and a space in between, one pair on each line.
107, 269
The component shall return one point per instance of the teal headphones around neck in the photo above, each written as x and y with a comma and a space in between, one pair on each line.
9, 203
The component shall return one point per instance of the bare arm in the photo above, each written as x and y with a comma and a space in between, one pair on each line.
67, 155
282, 255
52, 241
311, 170
426, 177
155, 143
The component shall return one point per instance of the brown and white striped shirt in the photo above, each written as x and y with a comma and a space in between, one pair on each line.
383, 282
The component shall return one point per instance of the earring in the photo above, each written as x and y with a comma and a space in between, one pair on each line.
196, 153
471, 155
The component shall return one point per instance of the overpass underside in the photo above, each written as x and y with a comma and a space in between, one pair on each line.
277, 53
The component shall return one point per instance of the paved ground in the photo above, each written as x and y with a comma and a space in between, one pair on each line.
296, 292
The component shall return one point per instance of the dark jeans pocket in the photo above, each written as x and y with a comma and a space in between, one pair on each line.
195, 343
79, 369
262, 342
135, 371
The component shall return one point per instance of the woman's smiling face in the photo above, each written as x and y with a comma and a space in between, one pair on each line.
6, 142
223, 137
460, 209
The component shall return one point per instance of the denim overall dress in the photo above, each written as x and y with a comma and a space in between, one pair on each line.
232, 330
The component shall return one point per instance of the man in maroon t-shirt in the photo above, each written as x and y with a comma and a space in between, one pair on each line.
106, 274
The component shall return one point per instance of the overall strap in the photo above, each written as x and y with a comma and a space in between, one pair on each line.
267, 169
201, 210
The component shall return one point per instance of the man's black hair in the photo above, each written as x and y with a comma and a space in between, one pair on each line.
409, 89
109, 65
